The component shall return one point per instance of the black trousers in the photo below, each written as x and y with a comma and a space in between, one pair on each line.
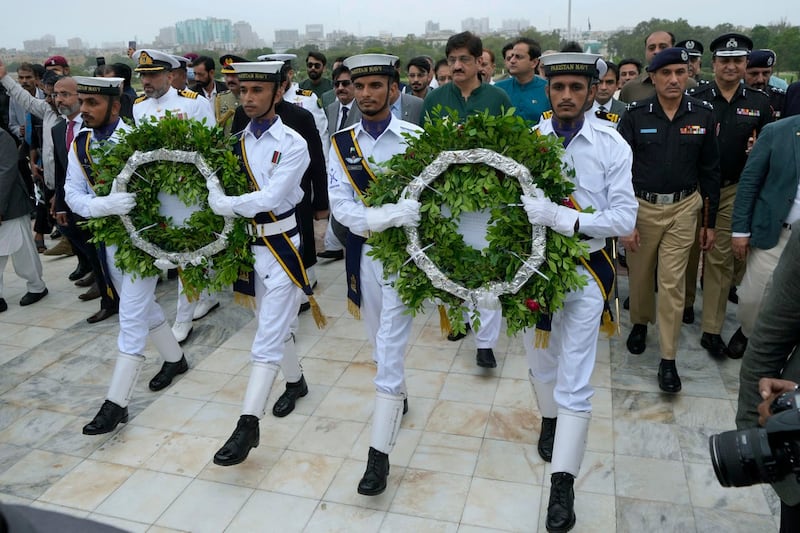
79, 237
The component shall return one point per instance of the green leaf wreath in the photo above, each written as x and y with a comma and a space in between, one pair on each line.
466, 188
185, 181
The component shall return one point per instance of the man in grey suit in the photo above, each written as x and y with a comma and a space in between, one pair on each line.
607, 108
765, 211
407, 106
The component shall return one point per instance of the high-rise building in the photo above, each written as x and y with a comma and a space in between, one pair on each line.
479, 26
314, 32
76, 43
245, 37
212, 33
167, 37
515, 24
42, 44
431, 27
285, 39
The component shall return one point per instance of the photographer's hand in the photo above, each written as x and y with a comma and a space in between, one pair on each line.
769, 389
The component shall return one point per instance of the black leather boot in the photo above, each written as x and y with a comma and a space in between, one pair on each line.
374, 480
106, 419
244, 438
561, 507
546, 437
485, 358
285, 403
168, 371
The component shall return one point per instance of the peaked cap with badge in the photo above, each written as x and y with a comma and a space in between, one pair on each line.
148, 60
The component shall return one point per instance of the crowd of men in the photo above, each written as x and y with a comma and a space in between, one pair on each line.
687, 174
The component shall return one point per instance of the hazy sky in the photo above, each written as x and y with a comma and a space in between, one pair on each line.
97, 22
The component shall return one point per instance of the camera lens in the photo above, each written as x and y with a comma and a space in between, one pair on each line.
741, 458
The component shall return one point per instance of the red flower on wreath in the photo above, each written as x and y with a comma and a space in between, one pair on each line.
567, 202
532, 304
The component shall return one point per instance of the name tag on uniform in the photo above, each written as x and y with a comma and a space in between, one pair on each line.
648, 130
693, 130
748, 112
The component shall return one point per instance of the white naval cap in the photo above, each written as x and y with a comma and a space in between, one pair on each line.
148, 60
277, 57
575, 63
258, 70
371, 64
98, 85
183, 62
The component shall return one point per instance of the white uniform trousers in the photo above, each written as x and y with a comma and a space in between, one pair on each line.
185, 308
277, 304
388, 326
17, 243
138, 310
569, 358
489, 331
757, 281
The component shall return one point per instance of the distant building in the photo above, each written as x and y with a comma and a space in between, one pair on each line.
475, 25
515, 24
42, 44
76, 43
315, 32
285, 39
167, 37
211, 33
245, 37
431, 27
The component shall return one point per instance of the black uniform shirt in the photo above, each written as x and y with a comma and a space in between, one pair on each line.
776, 99
670, 156
746, 113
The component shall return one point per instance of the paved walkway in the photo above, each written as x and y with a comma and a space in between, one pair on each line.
465, 461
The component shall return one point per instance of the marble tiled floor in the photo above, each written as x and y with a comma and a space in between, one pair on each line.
465, 459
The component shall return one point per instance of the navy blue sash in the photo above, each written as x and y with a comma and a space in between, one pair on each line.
359, 174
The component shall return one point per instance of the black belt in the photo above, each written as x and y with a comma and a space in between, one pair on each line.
664, 198
259, 241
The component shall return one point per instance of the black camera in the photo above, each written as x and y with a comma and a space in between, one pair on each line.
760, 455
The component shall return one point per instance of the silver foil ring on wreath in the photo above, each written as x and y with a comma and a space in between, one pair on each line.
486, 296
163, 258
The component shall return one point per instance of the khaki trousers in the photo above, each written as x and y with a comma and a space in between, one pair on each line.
718, 270
757, 281
666, 233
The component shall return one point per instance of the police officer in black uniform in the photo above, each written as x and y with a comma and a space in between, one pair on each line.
695, 50
740, 112
759, 70
672, 136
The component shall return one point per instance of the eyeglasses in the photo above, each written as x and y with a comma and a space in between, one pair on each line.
451, 60
343, 83
314, 65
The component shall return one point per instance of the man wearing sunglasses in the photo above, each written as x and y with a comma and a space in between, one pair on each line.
315, 68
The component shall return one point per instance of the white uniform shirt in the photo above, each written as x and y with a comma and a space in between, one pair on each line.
179, 106
344, 201
279, 182
78, 191
295, 95
602, 161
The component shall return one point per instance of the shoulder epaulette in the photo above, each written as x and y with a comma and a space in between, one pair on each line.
605, 115
547, 114
224, 92
140, 99
305, 92
634, 105
777, 90
186, 93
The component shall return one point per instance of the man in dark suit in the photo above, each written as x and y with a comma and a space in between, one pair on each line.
607, 108
64, 133
407, 107
765, 211
345, 94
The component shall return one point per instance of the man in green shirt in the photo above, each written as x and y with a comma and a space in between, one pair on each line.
315, 68
466, 94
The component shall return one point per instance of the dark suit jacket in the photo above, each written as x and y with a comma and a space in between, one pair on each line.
768, 184
410, 106
14, 199
221, 86
59, 133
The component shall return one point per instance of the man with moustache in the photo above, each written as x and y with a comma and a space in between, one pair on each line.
140, 316
487, 66
642, 87
673, 138
160, 97
274, 157
64, 133
419, 76
467, 95
560, 372
315, 68
206, 85
695, 50
524, 87
355, 153
757, 75
605, 108
740, 112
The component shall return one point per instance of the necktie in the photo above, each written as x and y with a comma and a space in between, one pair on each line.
344, 117
70, 134
602, 108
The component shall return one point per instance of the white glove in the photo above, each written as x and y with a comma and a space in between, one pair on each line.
544, 212
220, 203
116, 203
404, 212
